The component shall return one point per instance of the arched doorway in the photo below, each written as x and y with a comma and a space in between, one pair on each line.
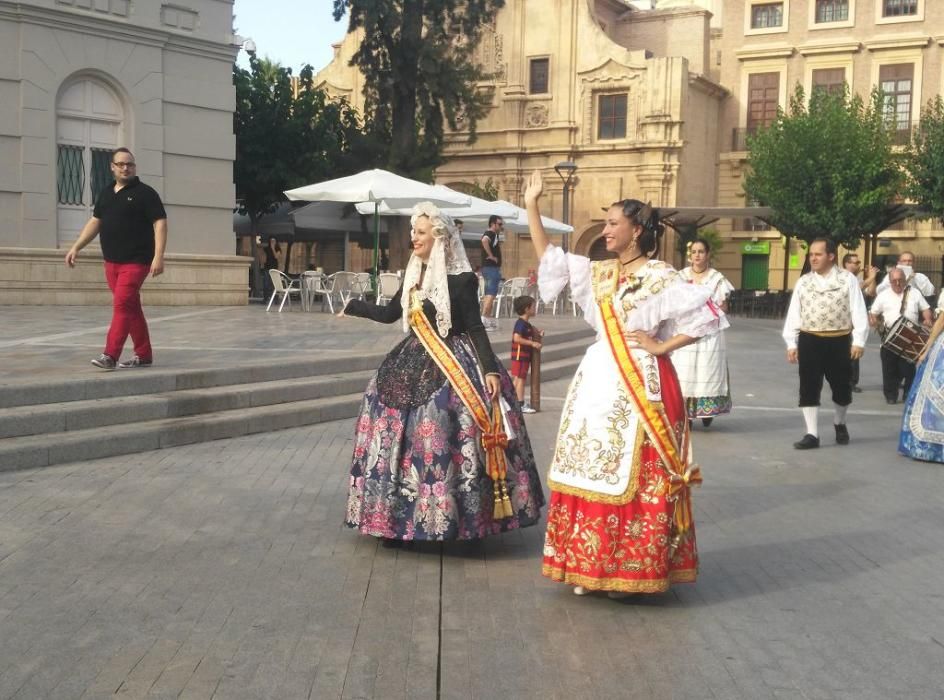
90, 120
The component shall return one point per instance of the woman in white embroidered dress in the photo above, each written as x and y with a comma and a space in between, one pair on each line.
702, 367
619, 518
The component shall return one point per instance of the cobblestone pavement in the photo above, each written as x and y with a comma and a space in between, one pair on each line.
222, 570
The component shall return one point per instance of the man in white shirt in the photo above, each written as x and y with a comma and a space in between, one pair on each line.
825, 329
919, 281
900, 299
851, 262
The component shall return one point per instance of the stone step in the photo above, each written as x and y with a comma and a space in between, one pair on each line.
156, 380
95, 443
60, 447
93, 413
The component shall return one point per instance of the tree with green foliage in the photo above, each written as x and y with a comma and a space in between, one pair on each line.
827, 169
290, 135
926, 160
418, 61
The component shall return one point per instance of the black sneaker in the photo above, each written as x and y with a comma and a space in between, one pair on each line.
842, 434
104, 361
807, 443
135, 361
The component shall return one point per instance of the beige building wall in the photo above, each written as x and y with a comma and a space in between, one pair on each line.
859, 46
594, 48
153, 76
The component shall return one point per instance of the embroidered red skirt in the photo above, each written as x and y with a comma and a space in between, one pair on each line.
632, 547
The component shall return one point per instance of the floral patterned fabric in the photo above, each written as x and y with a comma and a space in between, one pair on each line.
922, 429
418, 471
629, 547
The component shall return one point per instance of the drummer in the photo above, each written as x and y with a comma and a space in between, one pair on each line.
899, 299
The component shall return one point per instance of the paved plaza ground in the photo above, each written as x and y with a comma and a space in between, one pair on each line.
223, 570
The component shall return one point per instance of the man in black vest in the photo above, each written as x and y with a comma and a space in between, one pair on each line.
132, 223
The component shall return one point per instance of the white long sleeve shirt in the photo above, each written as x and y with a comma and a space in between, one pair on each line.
857, 311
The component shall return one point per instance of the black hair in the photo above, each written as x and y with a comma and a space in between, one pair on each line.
704, 242
494, 219
522, 303
645, 216
847, 257
122, 149
831, 247
457, 222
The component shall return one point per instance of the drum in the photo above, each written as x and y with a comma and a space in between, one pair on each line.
906, 339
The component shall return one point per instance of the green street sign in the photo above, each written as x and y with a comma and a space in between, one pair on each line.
756, 248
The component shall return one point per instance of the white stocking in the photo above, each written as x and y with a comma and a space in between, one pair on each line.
840, 417
810, 415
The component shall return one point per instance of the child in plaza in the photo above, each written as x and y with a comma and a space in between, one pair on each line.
522, 343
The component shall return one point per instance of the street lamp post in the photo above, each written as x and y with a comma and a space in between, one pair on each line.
565, 170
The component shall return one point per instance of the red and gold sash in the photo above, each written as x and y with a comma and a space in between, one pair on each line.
494, 439
655, 422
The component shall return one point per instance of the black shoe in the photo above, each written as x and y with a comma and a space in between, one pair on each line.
135, 361
807, 443
390, 543
104, 361
856, 389
842, 434
706, 421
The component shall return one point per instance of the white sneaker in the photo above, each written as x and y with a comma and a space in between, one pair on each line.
526, 408
580, 590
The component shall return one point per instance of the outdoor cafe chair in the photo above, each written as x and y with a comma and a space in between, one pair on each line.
284, 285
344, 285
387, 285
316, 284
362, 285
508, 292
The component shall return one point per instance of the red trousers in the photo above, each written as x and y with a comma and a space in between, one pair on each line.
127, 318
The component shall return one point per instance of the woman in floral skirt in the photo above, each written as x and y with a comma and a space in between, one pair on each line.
620, 517
440, 448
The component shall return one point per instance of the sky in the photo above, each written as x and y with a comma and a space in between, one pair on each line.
292, 32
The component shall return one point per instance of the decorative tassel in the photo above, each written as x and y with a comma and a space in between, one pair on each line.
507, 510
498, 512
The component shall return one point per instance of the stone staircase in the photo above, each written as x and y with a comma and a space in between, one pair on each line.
53, 422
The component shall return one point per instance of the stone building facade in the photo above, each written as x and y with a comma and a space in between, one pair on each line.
766, 48
654, 98
79, 78
622, 93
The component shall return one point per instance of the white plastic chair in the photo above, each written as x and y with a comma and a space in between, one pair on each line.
285, 286
343, 286
387, 285
508, 292
316, 284
361, 285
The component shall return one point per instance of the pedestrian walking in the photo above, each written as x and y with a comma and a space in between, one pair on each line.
491, 268
702, 367
441, 451
131, 223
825, 329
524, 340
851, 263
620, 515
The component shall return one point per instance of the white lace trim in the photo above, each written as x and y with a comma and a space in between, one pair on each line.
679, 308
448, 257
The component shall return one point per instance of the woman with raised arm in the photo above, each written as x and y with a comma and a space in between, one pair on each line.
440, 447
620, 516
922, 426
702, 367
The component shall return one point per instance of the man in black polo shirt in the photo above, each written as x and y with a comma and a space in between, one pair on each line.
132, 222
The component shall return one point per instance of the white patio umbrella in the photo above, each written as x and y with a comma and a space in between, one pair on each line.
477, 208
519, 223
378, 186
